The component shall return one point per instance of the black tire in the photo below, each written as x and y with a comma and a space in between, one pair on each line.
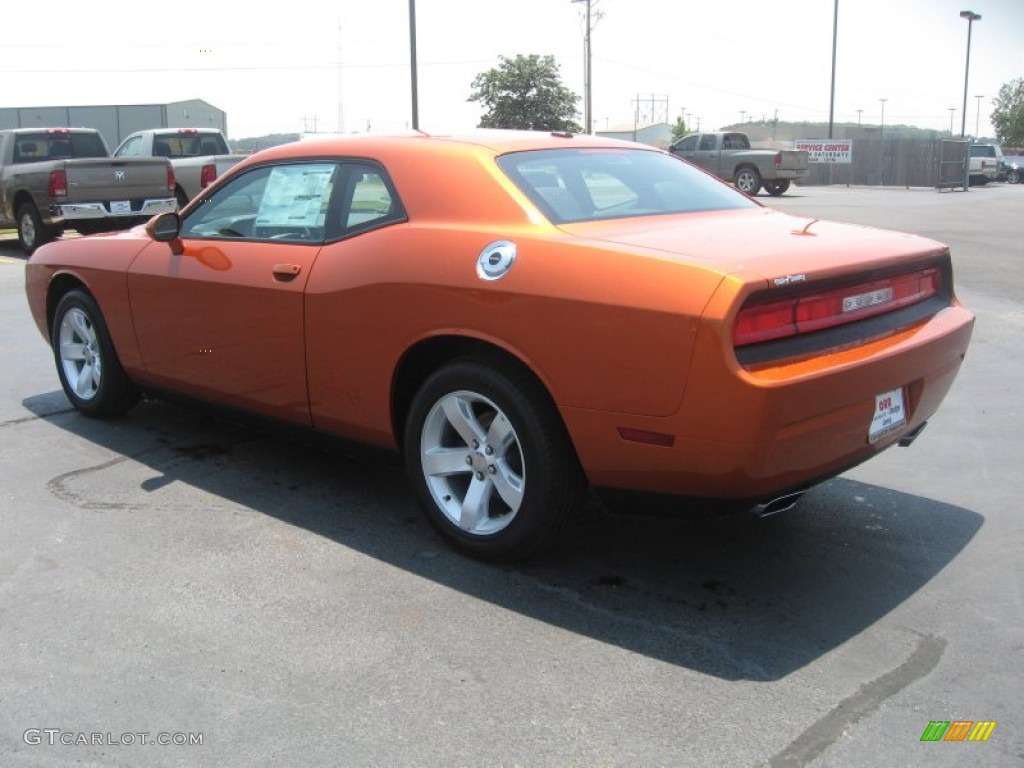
31, 231
776, 187
87, 364
747, 179
1013, 177
520, 482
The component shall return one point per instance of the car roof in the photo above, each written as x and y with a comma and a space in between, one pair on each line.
495, 142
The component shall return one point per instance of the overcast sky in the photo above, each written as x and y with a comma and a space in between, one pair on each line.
310, 64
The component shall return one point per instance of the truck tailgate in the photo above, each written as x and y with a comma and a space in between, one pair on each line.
793, 160
127, 178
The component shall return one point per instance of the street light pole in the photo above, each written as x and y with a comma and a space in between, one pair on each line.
832, 95
977, 117
952, 110
971, 17
881, 147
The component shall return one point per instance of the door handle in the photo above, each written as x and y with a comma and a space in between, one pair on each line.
286, 271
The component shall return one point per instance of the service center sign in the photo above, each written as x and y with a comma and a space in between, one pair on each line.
827, 150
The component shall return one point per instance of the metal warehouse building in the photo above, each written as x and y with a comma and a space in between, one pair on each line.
117, 121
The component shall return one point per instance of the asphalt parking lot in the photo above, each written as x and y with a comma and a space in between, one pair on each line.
172, 574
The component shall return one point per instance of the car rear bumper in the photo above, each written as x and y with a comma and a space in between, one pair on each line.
753, 434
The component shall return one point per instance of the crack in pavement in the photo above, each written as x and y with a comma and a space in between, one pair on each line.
58, 486
35, 417
825, 732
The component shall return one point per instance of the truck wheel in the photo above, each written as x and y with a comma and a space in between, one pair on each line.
747, 180
181, 197
1013, 177
31, 232
777, 187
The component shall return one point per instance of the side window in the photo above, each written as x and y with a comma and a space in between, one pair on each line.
689, 144
708, 142
370, 200
278, 202
130, 148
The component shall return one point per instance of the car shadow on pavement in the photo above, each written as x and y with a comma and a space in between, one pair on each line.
739, 598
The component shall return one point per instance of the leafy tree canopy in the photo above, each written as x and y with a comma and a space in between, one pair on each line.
679, 129
526, 93
1008, 115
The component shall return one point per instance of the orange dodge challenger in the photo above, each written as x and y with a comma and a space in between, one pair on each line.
521, 315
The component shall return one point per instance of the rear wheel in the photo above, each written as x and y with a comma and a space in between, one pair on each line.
776, 187
747, 180
1013, 177
87, 364
31, 231
181, 197
490, 460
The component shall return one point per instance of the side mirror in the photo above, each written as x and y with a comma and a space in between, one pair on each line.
164, 227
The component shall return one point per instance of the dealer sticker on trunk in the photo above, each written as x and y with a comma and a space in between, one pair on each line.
890, 415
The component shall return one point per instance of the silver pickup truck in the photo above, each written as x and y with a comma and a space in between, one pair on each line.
57, 178
199, 155
729, 156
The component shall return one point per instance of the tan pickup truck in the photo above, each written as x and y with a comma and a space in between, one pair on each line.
53, 179
199, 155
729, 156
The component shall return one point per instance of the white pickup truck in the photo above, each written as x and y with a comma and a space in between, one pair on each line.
198, 155
986, 164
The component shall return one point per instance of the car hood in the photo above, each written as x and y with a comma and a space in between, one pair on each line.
759, 241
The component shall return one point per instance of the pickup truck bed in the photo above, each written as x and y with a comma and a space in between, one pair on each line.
198, 155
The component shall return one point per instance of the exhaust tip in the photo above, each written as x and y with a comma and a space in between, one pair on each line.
778, 504
907, 440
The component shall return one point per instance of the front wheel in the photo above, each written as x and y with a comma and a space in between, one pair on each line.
1013, 177
777, 187
87, 364
491, 461
747, 180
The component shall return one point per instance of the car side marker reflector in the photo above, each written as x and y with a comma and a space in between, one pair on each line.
646, 437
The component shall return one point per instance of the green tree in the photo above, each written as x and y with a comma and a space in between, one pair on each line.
679, 129
526, 93
1008, 115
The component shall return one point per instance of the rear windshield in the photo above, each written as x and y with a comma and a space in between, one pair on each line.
188, 145
33, 147
983, 150
592, 184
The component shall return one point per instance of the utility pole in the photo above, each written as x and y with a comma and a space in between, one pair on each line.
977, 117
412, 66
859, 111
591, 17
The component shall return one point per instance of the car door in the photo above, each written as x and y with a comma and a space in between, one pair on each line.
708, 154
223, 319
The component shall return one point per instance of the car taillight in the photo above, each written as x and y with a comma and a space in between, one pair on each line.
777, 160
813, 312
170, 178
58, 184
207, 174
